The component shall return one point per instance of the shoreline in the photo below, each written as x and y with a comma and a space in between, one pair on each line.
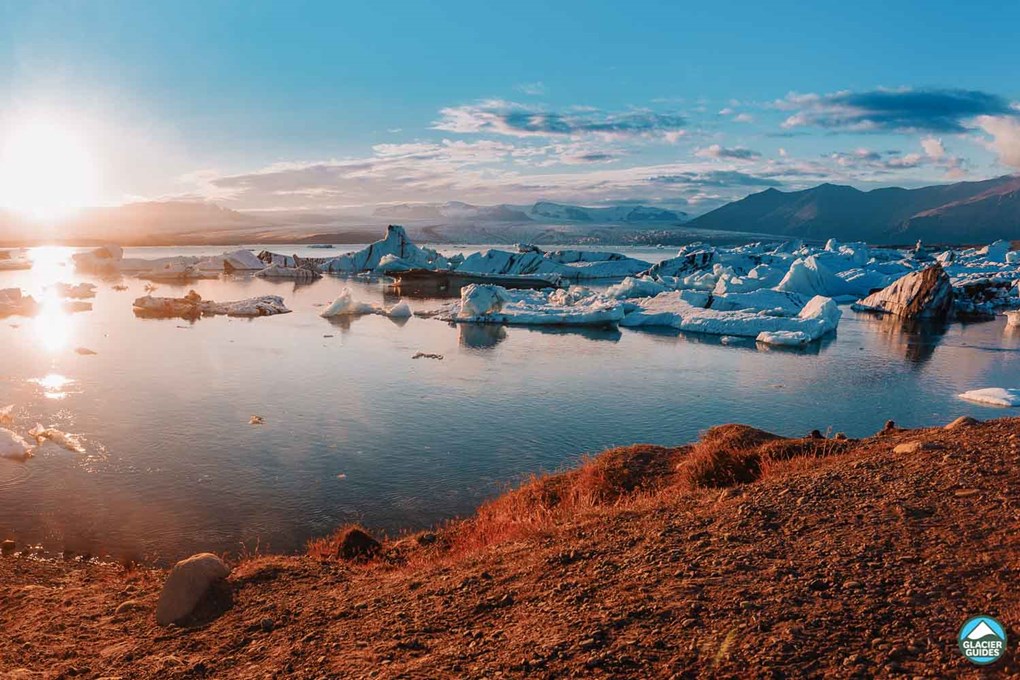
728, 557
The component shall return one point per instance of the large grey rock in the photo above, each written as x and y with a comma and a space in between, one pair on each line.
187, 583
926, 294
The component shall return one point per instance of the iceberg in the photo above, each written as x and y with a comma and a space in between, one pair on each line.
776, 302
80, 291
925, 294
808, 276
235, 260
784, 338
993, 396
14, 302
632, 287
13, 446
345, 305
192, 306
177, 270
61, 439
485, 303
396, 244
12, 260
819, 317
277, 271
570, 265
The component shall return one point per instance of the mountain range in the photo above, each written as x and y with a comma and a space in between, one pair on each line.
543, 211
964, 212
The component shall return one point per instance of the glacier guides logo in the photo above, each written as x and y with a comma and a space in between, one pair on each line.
982, 640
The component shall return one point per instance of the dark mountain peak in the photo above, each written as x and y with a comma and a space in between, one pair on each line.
962, 212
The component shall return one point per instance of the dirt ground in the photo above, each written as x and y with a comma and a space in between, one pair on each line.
861, 563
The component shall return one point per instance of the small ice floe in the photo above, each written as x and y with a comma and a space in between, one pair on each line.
1013, 319
784, 338
427, 355
576, 306
84, 351
401, 310
178, 271
13, 301
994, 396
7, 414
192, 306
346, 305
62, 439
256, 420
12, 260
81, 291
13, 446
275, 271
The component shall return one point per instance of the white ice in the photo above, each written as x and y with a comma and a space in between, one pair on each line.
994, 396
483, 303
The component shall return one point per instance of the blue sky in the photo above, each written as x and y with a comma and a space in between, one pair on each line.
322, 105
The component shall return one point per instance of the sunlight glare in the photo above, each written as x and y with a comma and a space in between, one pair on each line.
46, 171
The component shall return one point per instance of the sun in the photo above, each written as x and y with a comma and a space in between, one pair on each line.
46, 170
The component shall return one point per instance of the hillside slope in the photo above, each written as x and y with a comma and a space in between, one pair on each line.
832, 558
964, 212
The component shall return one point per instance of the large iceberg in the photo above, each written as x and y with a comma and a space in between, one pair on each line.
396, 252
818, 317
484, 303
569, 265
926, 294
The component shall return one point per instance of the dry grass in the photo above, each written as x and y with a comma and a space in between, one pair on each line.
728, 455
725, 456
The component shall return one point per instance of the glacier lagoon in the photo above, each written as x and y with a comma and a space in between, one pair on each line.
355, 429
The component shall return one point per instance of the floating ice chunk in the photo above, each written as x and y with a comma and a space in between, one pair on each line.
401, 310
926, 294
80, 291
632, 287
819, 316
192, 306
776, 302
179, 270
484, 303
785, 338
276, 271
1013, 319
808, 276
345, 305
99, 260
396, 244
994, 396
13, 446
12, 260
691, 258
995, 252
13, 301
61, 439
235, 260
7, 414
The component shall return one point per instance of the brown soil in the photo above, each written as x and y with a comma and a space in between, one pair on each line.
744, 556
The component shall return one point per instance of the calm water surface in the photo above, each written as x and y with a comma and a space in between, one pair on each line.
355, 429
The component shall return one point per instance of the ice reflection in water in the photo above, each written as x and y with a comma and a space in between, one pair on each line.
172, 465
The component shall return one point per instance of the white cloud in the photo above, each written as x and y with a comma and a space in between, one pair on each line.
1005, 132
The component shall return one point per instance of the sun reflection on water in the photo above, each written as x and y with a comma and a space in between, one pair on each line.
52, 324
54, 385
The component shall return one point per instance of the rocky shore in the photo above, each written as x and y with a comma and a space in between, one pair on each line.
743, 555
